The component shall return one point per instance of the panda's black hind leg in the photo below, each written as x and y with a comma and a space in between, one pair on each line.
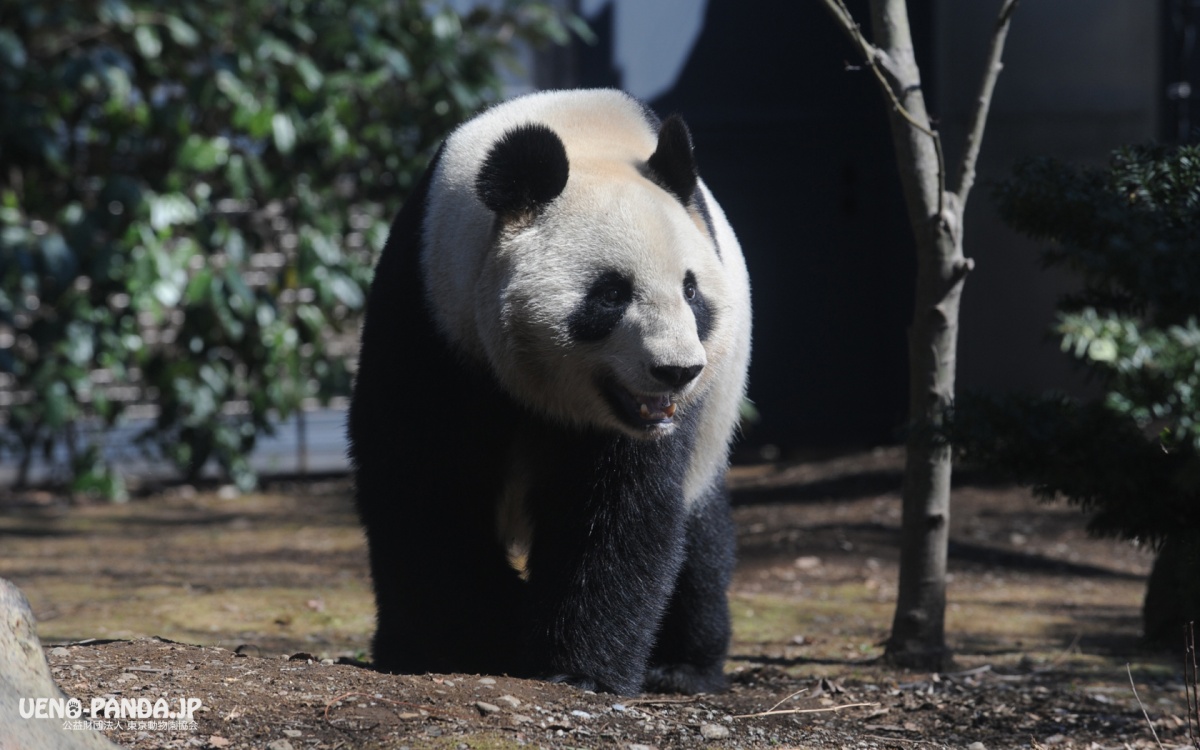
447, 599
444, 604
693, 640
428, 438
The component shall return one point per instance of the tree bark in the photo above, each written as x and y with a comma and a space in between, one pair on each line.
918, 629
918, 636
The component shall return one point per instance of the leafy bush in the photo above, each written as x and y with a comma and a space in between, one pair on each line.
191, 197
1132, 457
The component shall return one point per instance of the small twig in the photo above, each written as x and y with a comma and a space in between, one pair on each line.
785, 700
902, 739
433, 711
831, 709
660, 701
845, 20
873, 55
1062, 655
72, 40
1144, 712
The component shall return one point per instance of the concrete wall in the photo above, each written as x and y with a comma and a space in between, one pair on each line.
1081, 78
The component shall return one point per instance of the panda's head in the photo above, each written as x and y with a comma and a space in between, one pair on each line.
602, 291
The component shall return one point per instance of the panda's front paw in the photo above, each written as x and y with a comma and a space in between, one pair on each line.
631, 686
686, 679
580, 681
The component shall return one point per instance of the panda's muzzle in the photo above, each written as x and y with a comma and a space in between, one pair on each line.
640, 411
655, 408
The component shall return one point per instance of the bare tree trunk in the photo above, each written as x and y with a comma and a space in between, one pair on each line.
935, 213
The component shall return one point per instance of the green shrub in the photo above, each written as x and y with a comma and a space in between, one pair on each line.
1132, 457
192, 195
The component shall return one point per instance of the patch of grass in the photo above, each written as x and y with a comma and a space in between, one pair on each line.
286, 572
477, 741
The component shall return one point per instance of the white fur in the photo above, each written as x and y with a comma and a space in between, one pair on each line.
503, 298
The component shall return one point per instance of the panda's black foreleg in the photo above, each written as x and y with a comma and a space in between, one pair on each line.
607, 547
446, 598
693, 641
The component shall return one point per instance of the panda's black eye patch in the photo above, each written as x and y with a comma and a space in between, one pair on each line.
703, 312
612, 289
601, 308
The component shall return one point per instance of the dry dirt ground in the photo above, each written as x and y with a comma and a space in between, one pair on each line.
247, 604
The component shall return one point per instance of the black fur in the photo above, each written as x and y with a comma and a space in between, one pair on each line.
706, 317
446, 597
432, 441
608, 546
672, 164
689, 654
601, 308
525, 169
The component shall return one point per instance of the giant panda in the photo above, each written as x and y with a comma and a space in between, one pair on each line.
553, 357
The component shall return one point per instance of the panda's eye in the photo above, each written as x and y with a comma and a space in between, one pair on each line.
689, 290
611, 290
602, 307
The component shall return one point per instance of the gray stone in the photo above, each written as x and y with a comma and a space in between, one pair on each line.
486, 708
24, 673
713, 732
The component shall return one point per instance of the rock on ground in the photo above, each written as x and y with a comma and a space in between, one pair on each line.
24, 674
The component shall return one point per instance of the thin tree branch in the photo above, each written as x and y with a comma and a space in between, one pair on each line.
71, 40
966, 173
1144, 713
831, 709
878, 60
845, 21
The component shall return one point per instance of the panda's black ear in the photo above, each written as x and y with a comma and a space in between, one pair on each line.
672, 164
525, 169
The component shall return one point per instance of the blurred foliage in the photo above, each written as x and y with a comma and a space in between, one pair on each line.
1131, 232
192, 195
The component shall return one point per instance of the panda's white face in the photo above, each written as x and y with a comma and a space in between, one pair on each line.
557, 241
601, 311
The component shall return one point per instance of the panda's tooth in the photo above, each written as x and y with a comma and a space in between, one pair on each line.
645, 411
669, 411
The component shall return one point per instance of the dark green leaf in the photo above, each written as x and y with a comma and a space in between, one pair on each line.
148, 41
284, 131
12, 52
182, 32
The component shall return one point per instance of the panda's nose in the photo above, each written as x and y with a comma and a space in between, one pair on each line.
675, 377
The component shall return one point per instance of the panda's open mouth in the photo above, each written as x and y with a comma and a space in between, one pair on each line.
640, 410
